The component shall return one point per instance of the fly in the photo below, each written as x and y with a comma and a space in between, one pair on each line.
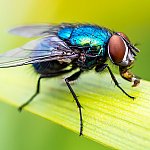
80, 46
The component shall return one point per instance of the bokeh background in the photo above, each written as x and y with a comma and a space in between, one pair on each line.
27, 131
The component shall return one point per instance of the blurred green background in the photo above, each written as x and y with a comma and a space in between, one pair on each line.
27, 131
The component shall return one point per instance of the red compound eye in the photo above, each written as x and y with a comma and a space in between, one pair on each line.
117, 48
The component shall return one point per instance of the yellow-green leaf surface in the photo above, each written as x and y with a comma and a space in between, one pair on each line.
110, 117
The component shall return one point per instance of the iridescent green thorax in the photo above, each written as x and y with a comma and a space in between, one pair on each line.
90, 39
65, 33
85, 35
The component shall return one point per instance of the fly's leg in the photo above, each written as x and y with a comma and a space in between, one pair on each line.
102, 67
117, 84
34, 95
38, 85
67, 80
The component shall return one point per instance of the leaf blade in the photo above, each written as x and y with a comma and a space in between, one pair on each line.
109, 116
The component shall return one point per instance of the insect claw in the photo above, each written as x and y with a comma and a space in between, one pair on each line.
20, 109
132, 97
81, 134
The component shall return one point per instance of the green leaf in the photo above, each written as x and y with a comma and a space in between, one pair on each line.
110, 117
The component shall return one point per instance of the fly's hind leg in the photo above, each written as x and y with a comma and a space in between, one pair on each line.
35, 94
38, 85
67, 80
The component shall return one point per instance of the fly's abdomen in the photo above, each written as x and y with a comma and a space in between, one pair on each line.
49, 67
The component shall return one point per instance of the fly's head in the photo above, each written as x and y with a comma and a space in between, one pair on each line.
122, 53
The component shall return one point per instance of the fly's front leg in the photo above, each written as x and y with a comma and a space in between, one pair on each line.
102, 67
67, 80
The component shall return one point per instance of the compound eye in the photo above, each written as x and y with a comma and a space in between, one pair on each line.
117, 49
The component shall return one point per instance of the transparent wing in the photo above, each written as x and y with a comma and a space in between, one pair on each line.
37, 30
41, 50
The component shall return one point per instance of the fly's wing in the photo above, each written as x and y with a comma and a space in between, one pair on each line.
41, 50
37, 30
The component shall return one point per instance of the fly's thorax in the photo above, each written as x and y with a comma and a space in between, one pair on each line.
81, 35
89, 35
65, 33
90, 40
